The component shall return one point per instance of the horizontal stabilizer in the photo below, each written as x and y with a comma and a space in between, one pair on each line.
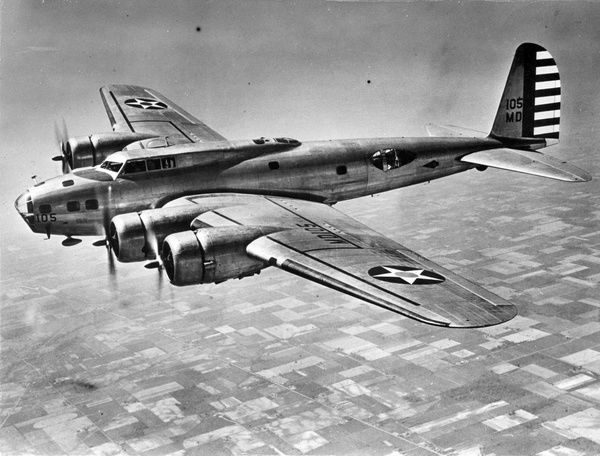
528, 162
452, 131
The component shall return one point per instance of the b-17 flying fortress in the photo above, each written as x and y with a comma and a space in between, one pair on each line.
164, 187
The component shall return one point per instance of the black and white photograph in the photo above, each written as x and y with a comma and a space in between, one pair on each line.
300, 228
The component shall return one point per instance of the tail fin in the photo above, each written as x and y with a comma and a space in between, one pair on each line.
530, 104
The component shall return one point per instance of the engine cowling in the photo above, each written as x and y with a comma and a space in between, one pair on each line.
137, 236
92, 150
211, 255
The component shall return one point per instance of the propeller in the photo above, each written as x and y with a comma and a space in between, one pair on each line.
112, 272
61, 135
156, 264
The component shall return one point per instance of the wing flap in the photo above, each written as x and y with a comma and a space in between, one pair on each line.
528, 162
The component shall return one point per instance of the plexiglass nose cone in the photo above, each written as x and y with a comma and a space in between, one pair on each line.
21, 202
24, 206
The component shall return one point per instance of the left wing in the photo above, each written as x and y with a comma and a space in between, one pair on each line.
140, 109
319, 243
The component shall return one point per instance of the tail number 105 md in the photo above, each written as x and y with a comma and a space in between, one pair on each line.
514, 103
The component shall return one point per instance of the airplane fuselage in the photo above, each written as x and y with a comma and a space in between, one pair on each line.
82, 202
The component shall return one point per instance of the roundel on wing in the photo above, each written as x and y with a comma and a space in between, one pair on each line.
145, 103
407, 275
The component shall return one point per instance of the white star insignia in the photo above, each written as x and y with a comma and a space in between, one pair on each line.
145, 103
410, 276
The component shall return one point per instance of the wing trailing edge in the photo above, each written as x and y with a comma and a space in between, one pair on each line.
455, 303
452, 131
527, 162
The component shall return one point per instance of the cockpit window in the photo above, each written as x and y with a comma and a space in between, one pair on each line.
153, 163
45, 208
134, 166
387, 159
168, 162
111, 166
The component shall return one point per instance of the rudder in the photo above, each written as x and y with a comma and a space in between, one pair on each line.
530, 103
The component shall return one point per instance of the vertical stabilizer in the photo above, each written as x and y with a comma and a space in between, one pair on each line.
530, 103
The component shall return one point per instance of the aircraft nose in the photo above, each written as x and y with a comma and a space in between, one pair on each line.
24, 206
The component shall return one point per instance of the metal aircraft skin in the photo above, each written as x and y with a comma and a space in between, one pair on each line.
163, 185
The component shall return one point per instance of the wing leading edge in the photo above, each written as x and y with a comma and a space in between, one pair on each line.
144, 110
321, 244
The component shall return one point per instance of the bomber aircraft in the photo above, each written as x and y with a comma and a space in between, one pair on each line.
164, 187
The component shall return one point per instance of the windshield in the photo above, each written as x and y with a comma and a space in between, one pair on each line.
111, 166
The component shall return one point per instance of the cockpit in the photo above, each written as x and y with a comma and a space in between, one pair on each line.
138, 165
113, 166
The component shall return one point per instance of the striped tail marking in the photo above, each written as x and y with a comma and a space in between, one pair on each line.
546, 115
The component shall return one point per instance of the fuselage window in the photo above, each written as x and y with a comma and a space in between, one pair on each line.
68, 183
387, 159
73, 206
135, 166
274, 165
341, 169
45, 208
168, 162
153, 164
91, 205
111, 166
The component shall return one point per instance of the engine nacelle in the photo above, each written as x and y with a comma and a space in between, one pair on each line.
211, 255
137, 236
92, 150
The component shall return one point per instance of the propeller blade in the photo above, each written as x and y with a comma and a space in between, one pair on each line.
61, 135
157, 264
66, 169
106, 213
160, 281
58, 137
112, 271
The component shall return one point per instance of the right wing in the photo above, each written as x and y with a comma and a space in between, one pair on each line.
321, 244
142, 110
